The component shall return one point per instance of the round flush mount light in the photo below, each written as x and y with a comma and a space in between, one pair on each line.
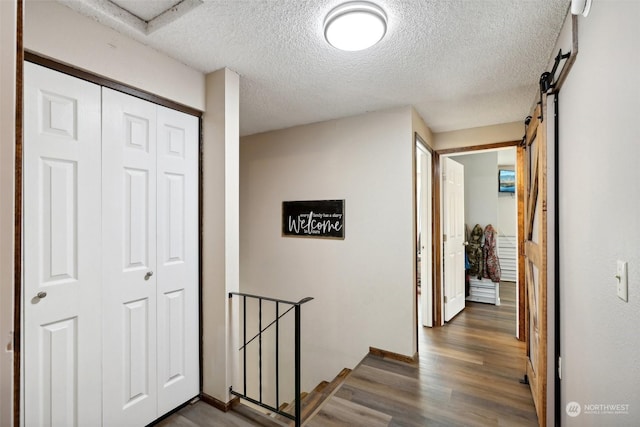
580, 7
355, 26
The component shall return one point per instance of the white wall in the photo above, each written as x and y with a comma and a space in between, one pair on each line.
480, 188
7, 171
507, 223
483, 203
220, 232
599, 221
479, 136
363, 285
54, 30
421, 128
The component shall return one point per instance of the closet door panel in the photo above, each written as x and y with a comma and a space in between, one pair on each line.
110, 263
177, 251
61, 258
129, 262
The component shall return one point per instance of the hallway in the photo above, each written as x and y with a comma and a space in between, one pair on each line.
467, 375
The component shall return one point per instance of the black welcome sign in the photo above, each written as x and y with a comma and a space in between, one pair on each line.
313, 218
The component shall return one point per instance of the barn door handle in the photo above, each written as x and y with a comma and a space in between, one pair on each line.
148, 275
41, 294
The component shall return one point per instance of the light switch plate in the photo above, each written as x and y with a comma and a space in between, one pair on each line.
623, 286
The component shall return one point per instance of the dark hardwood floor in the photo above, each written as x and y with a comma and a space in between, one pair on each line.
467, 375
201, 414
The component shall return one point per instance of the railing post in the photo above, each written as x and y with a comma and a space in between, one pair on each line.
244, 342
297, 364
259, 347
277, 355
297, 416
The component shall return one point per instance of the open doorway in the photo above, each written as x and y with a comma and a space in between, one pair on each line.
424, 233
490, 209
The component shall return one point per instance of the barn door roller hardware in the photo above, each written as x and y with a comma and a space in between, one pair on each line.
527, 120
546, 78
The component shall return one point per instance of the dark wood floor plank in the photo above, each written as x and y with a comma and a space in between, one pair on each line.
177, 420
201, 414
342, 412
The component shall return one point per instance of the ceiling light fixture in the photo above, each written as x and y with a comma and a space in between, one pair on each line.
580, 7
355, 26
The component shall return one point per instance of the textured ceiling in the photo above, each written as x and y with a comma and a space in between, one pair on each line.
146, 10
461, 63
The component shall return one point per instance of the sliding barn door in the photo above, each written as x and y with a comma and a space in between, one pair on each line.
61, 259
535, 259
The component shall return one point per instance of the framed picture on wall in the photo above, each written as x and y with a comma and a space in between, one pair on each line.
313, 218
506, 181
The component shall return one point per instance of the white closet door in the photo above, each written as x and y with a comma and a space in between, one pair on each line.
61, 256
177, 262
129, 261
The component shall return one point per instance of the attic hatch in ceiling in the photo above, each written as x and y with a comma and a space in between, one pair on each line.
149, 16
146, 10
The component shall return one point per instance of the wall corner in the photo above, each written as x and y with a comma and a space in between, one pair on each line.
220, 231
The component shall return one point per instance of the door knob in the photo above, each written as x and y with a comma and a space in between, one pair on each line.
148, 275
41, 294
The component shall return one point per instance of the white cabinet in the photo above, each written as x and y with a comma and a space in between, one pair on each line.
484, 290
507, 254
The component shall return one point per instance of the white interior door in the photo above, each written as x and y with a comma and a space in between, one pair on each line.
111, 327
423, 157
177, 259
61, 257
129, 260
453, 237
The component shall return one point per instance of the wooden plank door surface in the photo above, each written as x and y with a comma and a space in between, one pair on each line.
535, 259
